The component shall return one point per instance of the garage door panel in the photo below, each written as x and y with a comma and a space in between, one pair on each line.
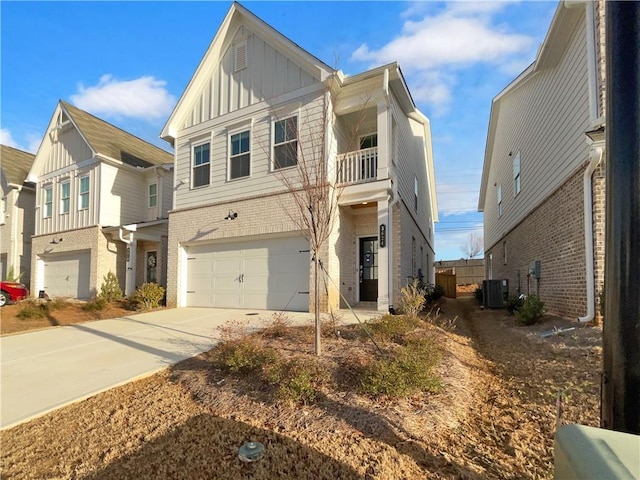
262, 274
67, 275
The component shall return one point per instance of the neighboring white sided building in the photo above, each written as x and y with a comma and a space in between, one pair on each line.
102, 202
233, 237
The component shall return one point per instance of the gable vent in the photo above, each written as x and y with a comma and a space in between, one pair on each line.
240, 56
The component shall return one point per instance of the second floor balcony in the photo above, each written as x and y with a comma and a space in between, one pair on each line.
359, 166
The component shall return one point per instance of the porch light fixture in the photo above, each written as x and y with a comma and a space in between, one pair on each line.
56, 241
231, 215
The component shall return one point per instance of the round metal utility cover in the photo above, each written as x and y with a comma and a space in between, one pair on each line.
251, 451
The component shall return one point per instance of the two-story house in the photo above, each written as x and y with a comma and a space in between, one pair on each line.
543, 179
102, 202
17, 201
258, 113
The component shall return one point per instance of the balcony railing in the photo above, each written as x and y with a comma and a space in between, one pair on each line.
357, 167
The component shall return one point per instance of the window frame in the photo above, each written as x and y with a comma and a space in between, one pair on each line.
366, 136
65, 208
517, 179
152, 196
274, 145
47, 201
231, 157
415, 193
499, 198
194, 146
84, 195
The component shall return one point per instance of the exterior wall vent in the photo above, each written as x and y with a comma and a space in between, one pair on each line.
240, 56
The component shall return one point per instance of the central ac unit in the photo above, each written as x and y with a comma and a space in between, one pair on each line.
495, 293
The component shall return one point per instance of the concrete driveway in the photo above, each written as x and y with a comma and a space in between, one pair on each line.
47, 369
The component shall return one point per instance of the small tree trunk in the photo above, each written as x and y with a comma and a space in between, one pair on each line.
316, 292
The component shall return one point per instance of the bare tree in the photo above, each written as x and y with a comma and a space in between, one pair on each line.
473, 245
311, 184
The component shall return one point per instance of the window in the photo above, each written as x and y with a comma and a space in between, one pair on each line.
369, 141
413, 256
285, 144
499, 200
48, 201
415, 193
84, 193
65, 196
152, 266
239, 158
153, 195
516, 174
490, 267
201, 164
504, 252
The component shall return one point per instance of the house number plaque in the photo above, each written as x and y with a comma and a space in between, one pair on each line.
383, 235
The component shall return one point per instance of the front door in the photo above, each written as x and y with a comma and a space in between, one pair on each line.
369, 269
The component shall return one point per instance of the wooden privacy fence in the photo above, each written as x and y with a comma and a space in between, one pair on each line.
448, 282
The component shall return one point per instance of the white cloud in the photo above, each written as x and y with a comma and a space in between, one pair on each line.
7, 139
33, 141
453, 199
435, 47
143, 97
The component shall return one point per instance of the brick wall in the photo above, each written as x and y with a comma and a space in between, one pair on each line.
599, 191
554, 234
261, 215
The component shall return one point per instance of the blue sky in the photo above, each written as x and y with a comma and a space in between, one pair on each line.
129, 62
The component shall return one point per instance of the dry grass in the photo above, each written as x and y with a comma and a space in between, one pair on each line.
66, 313
494, 418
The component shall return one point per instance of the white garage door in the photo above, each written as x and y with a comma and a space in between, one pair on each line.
263, 274
67, 275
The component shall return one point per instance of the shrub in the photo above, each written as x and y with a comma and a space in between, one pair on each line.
110, 289
531, 311
514, 303
407, 371
148, 295
233, 330
95, 305
329, 325
413, 298
277, 325
244, 355
433, 292
479, 296
391, 327
30, 309
57, 303
301, 381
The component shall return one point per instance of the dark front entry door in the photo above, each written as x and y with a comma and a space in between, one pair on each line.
369, 269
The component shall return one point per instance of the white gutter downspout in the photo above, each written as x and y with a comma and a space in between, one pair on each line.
595, 157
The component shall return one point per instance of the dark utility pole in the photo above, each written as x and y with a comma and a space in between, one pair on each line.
620, 401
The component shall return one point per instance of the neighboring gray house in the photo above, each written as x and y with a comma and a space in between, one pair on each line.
543, 182
102, 202
17, 201
259, 107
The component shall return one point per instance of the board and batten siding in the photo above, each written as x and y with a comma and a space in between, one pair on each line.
76, 218
69, 149
262, 179
268, 74
543, 120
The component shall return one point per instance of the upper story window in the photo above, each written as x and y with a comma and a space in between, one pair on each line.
516, 174
415, 193
499, 200
239, 155
201, 165
65, 196
285, 143
48, 202
83, 201
153, 195
369, 141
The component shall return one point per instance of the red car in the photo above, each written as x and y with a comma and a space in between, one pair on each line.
12, 292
